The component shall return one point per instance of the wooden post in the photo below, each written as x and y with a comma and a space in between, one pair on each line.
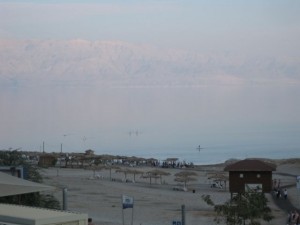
183, 214
65, 198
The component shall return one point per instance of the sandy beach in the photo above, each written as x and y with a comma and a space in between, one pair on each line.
155, 204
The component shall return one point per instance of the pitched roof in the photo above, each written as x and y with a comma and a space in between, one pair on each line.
18, 214
250, 165
10, 185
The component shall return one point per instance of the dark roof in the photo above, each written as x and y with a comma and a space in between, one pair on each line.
250, 165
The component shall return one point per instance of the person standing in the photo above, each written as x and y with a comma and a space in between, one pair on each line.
285, 193
278, 194
90, 221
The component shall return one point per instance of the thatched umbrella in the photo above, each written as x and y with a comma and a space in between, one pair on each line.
219, 178
135, 160
151, 161
134, 172
123, 170
157, 174
129, 171
96, 168
150, 176
185, 176
110, 167
171, 159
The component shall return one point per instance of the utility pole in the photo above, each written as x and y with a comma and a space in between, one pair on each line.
60, 155
43, 146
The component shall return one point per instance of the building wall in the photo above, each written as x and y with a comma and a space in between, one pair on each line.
237, 183
46, 160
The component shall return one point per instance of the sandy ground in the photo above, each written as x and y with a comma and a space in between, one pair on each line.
156, 203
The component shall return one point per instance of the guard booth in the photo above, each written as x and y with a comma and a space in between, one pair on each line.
250, 175
23, 215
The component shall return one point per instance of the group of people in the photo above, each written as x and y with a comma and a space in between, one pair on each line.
293, 218
278, 191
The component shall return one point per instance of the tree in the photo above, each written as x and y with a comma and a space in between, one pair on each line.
246, 208
14, 159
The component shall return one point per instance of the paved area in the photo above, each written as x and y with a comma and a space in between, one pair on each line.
284, 204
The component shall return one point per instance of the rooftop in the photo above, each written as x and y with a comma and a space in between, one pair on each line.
250, 165
31, 216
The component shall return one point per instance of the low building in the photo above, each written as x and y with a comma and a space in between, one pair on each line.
23, 215
250, 175
89, 152
18, 171
46, 160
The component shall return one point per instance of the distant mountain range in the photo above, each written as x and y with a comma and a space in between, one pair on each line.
120, 64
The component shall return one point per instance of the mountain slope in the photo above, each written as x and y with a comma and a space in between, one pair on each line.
113, 63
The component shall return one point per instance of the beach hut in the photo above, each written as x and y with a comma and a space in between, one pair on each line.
250, 175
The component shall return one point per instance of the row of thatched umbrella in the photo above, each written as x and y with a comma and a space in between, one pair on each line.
129, 171
183, 176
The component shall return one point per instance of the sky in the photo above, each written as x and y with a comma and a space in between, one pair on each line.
158, 120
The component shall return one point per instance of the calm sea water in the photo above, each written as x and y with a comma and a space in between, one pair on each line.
227, 121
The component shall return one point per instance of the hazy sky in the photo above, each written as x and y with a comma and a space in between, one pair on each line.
246, 26
260, 116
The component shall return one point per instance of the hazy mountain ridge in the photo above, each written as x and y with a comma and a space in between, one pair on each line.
115, 63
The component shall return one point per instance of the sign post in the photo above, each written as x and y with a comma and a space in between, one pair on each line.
183, 214
127, 202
